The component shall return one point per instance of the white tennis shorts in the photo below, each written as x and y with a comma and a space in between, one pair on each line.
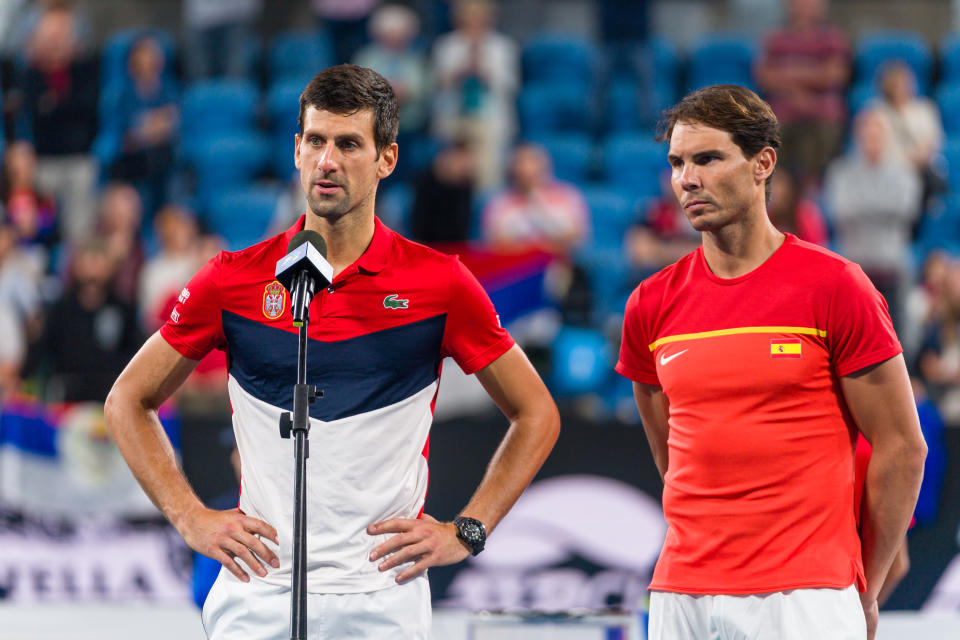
799, 614
255, 610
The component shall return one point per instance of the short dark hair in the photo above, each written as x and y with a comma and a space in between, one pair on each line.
737, 110
346, 89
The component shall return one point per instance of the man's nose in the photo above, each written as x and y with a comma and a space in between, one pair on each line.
689, 177
328, 162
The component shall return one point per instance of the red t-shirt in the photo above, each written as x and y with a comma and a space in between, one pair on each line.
761, 442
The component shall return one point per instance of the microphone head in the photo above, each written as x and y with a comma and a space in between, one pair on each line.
312, 237
307, 251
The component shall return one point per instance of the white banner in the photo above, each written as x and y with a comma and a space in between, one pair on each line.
91, 559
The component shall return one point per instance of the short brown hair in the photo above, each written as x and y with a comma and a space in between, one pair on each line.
346, 89
737, 110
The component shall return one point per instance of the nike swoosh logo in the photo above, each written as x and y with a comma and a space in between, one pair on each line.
665, 359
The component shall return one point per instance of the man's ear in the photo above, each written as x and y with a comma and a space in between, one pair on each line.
296, 151
766, 161
387, 161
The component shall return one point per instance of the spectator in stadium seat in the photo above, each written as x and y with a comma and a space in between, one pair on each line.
939, 359
170, 269
536, 209
19, 304
89, 334
916, 130
791, 212
118, 226
804, 70
443, 197
218, 37
476, 75
392, 54
925, 304
59, 115
32, 212
148, 118
873, 199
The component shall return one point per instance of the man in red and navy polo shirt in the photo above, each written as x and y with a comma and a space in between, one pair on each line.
377, 335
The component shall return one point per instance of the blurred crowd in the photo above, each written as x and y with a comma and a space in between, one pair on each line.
128, 163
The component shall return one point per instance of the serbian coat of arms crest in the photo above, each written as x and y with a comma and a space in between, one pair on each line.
274, 300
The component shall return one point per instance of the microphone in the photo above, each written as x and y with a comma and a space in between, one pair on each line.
304, 271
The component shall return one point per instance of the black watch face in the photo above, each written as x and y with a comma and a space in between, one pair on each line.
471, 531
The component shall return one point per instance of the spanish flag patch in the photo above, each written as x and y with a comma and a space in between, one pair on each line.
785, 348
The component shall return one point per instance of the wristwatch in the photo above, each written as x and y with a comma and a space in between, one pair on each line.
472, 532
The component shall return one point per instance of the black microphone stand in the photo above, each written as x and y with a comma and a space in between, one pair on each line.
303, 395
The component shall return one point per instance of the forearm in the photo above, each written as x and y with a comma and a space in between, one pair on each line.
892, 485
150, 456
520, 455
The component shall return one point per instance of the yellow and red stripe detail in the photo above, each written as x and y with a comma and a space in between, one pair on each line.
806, 331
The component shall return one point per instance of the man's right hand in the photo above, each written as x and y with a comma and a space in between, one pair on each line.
871, 611
227, 536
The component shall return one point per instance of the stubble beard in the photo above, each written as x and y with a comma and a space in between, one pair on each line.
329, 208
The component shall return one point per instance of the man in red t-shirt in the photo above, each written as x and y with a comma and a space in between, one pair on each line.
755, 360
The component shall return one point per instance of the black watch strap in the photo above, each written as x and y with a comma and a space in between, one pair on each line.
472, 532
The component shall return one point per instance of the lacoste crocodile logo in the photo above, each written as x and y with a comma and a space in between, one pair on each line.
392, 302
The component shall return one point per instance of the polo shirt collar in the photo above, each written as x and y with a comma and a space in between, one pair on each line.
373, 260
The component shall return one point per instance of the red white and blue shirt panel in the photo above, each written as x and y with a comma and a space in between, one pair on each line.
377, 337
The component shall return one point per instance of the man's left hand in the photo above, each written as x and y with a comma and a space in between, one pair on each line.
424, 541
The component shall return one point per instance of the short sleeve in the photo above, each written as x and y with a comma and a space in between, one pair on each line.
195, 325
473, 335
636, 360
859, 330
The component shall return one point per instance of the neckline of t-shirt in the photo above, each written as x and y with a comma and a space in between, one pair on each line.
789, 238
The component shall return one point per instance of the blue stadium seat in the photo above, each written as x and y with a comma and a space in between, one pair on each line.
555, 107
951, 154
221, 161
242, 214
625, 106
860, 96
610, 278
940, 229
216, 107
581, 361
722, 59
875, 50
283, 107
948, 99
634, 101
570, 153
394, 202
611, 214
634, 162
299, 55
950, 60
549, 57
666, 69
